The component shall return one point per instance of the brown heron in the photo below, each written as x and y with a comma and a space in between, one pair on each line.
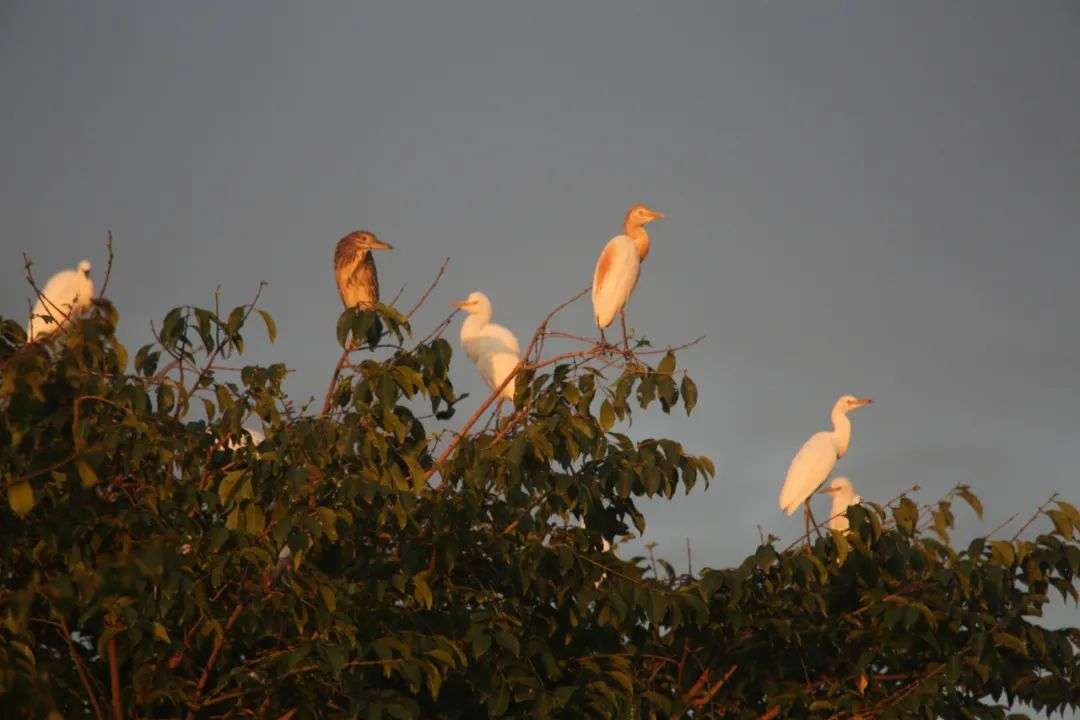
354, 268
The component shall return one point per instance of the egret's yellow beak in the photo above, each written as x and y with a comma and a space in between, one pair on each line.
863, 401
459, 303
657, 215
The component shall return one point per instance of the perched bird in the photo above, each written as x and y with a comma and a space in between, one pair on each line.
255, 436
817, 458
843, 497
67, 294
618, 267
354, 268
492, 348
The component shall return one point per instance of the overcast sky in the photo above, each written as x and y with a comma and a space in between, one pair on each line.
876, 198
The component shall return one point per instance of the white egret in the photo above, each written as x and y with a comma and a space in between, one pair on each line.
618, 267
354, 268
843, 497
67, 294
818, 456
492, 348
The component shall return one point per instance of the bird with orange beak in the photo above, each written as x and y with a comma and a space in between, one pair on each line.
817, 458
618, 268
492, 348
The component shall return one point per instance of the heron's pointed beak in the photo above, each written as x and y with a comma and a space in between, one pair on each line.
864, 401
657, 215
459, 303
381, 245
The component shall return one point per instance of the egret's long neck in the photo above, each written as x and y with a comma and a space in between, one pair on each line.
640, 237
841, 431
475, 323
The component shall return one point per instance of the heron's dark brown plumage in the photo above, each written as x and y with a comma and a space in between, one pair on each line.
354, 268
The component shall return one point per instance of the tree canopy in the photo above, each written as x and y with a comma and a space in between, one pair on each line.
381, 558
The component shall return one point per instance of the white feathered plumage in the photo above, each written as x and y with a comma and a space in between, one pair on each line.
67, 295
492, 348
843, 497
619, 265
817, 457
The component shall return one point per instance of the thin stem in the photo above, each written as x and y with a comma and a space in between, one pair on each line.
81, 669
114, 680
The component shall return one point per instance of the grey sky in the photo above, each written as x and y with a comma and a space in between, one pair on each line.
878, 198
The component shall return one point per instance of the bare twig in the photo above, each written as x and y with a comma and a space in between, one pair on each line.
114, 680
90, 694
328, 400
219, 345
424, 297
496, 392
45, 302
108, 265
1035, 516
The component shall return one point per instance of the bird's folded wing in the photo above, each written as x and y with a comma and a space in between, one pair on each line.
614, 278
810, 468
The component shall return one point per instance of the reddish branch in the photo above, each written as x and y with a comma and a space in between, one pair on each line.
81, 669
219, 643
496, 393
114, 680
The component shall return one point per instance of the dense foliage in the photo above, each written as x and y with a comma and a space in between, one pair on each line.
457, 573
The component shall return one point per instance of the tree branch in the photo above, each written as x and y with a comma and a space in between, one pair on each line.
218, 644
109, 264
81, 669
114, 680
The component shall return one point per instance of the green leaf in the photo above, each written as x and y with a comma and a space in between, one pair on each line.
328, 597
667, 365
1002, 552
970, 498
688, 390
86, 474
607, 416
160, 633
271, 327
228, 485
1004, 639
20, 497
422, 591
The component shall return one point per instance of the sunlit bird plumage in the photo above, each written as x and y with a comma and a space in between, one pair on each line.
66, 296
818, 456
843, 497
619, 265
491, 347
354, 268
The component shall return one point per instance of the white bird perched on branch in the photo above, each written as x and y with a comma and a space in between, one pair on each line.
67, 295
354, 268
618, 267
817, 458
843, 497
492, 348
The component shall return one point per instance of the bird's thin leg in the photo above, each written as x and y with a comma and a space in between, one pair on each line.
603, 340
625, 337
806, 518
810, 516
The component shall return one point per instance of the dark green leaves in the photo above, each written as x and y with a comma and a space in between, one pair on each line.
335, 568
